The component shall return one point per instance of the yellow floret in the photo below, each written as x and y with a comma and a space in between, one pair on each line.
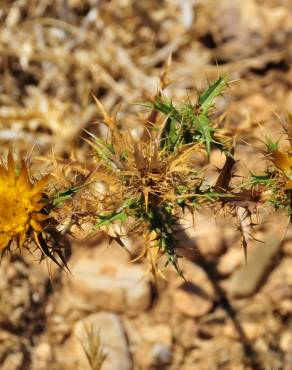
20, 203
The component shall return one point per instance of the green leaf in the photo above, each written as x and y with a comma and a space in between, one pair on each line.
105, 152
206, 100
111, 218
260, 179
206, 130
169, 136
61, 197
167, 107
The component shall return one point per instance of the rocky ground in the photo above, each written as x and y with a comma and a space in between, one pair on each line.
226, 315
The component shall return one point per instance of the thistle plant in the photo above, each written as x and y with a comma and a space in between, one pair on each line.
147, 184
276, 182
151, 182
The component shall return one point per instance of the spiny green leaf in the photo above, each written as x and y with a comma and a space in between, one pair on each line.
167, 107
106, 220
260, 179
61, 197
206, 130
129, 208
170, 135
206, 100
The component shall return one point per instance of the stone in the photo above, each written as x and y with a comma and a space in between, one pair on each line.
286, 341
200, 231
229, 331
246, 281
232, 259
11, 351
253, 330
161, 354
287, 247
113, 343
185, 332
159, 333
219, 353
42, 356
191, 304
278, 287
150, 344
13, 361
103, 283
195, 296
149, 355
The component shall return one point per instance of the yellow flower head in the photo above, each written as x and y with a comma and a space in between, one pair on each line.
20, 204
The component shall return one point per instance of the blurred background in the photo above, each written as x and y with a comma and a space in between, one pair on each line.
56, 54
